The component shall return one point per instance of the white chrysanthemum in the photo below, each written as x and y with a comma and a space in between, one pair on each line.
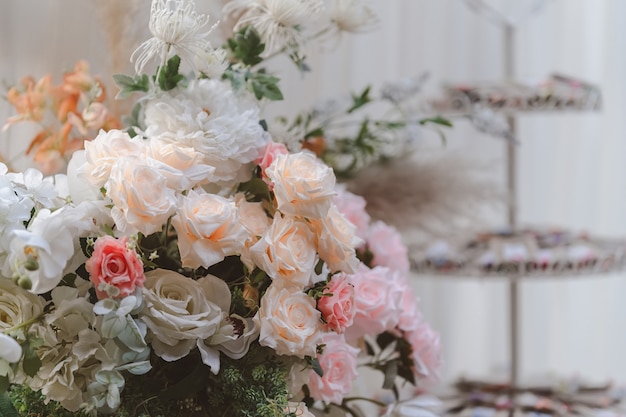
177, 30
209, 117
279, 22
352, 16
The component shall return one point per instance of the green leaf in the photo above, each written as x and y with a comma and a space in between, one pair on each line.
129, 85
315, 132
246, 46
190, 384
391, 372
361, 100
31, 362
6, 406
315, 365
438, 120
169, 76
385, 339
256, 190
264, 85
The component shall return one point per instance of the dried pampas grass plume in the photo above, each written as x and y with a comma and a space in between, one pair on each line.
125, 25
428, 196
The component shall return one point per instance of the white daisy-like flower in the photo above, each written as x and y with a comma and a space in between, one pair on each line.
279, 22
177, 30
352, 16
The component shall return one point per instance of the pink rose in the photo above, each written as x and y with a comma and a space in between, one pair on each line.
272, 150
339, 365
386, 245
352, 206
338, 309
426, 352
114, 269
377, 299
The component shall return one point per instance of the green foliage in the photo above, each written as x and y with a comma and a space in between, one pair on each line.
246, 46
169, 77
31, 362
6, 406
261, 84
360, 100
253, 386
255, 190
129, 85
29, 403
265, 85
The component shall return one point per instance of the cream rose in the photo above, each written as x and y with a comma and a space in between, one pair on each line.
181, 165
336, 241
17, 305
303, 185
254, 219
102, 153
142, 200
208, 229
179, 312
290, 324
286, 252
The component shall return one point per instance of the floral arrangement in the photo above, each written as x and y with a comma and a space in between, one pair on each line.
189, 264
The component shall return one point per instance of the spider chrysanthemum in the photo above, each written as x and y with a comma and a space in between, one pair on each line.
177, 30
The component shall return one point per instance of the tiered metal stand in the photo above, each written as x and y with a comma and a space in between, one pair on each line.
520, 253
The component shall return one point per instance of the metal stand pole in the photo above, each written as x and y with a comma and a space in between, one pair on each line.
511, 175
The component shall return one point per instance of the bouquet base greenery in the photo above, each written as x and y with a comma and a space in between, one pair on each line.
252, 386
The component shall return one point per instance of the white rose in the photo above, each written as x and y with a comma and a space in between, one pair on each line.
286, 252
142, 200
303, 185
290, 323
178, 312
102, 152
336, 241
17, 305
208, 229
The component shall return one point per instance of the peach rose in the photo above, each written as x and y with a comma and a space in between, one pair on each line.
208, 229
102, 152
336, 241
286, 252
290, 324
114, 269
303, 185
142, 200
339, 365
338, 309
